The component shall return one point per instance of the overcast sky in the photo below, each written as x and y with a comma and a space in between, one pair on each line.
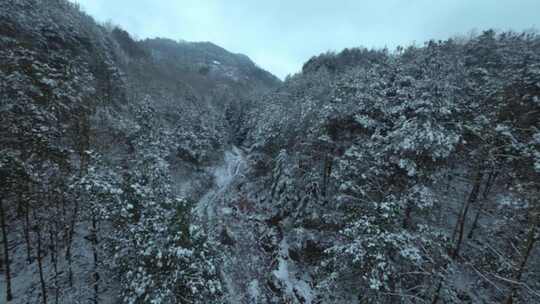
280, 35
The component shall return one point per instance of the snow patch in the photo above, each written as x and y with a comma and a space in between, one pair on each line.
295, 285
226, 211
233, 164
254, 291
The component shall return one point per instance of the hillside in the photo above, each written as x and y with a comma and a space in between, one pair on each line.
81, 100
161, 171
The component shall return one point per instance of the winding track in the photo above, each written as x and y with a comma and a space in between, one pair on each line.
243, 262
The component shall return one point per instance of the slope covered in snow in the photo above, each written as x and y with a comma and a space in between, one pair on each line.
163, 171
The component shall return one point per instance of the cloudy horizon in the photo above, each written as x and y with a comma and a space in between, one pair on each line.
280, 36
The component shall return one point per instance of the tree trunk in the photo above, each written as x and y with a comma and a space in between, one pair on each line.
460, 226
25, 225
407, 218
531, 240
487, 188
9, 294
39, 253
83, 160
64, 221
326, 174
473, 196
26, 230
437, 292
71, 232
84, 130
95, 275
54, 260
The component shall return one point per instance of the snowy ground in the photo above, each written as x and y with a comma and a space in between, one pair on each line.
25, 277
295, 283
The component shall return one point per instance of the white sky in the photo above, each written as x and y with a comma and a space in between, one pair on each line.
280, 35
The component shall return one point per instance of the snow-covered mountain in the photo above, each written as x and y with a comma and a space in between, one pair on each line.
161, 171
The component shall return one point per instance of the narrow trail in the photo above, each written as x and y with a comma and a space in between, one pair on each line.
235, 223
232, 167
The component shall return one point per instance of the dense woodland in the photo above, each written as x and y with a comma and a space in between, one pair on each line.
161, 171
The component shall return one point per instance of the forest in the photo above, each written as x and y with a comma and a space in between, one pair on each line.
162, 171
